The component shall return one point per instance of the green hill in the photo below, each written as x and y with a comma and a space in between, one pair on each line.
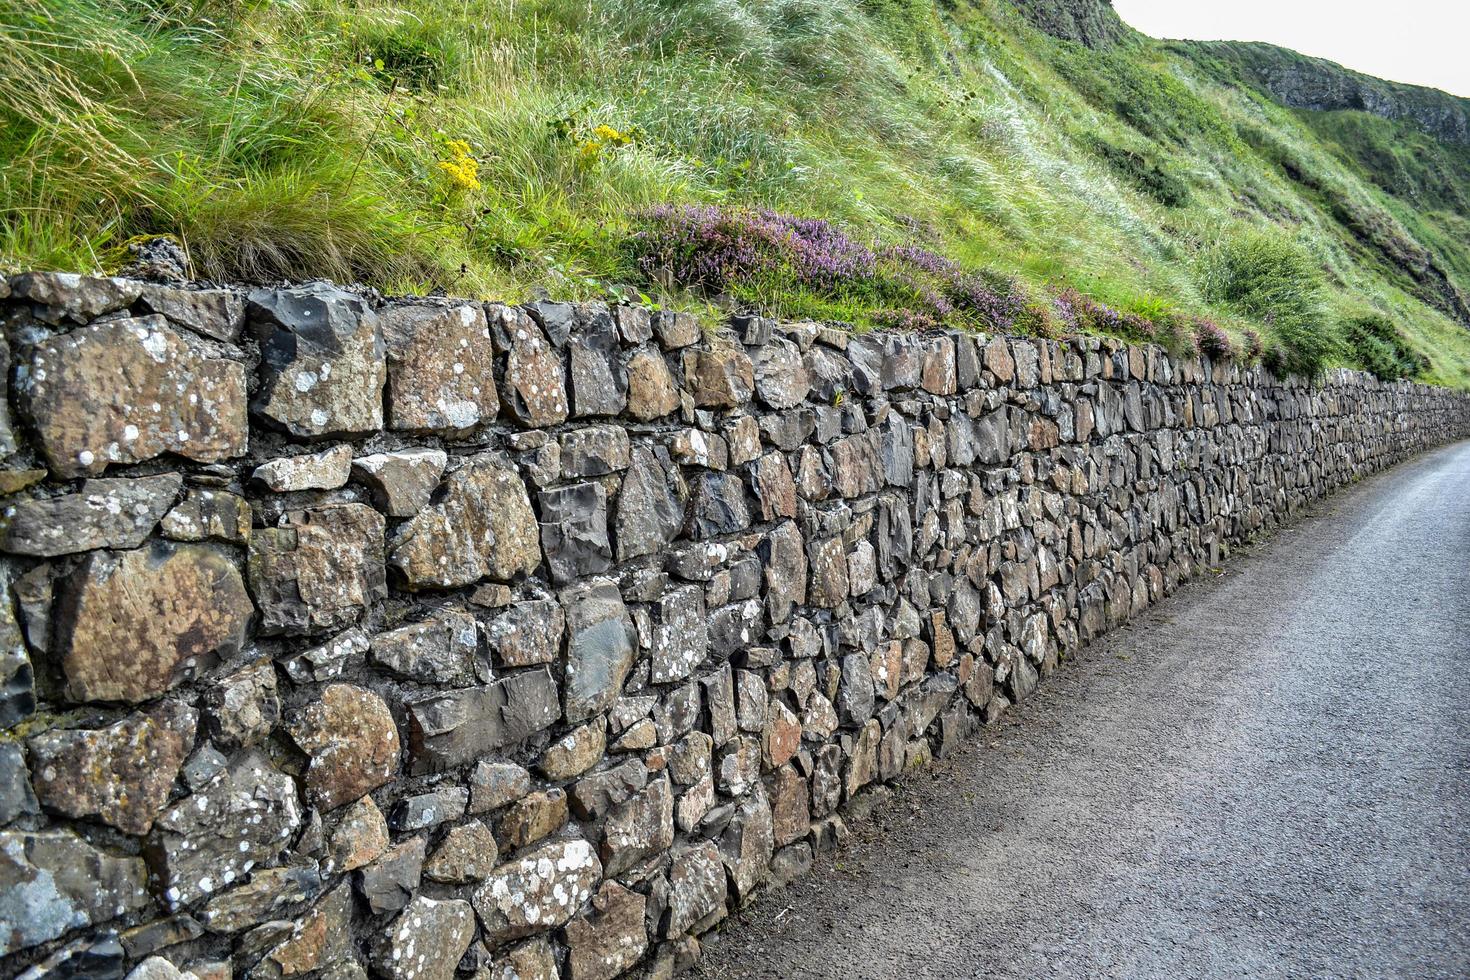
1034, 166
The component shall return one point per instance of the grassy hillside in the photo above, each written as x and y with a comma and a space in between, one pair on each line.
873, 161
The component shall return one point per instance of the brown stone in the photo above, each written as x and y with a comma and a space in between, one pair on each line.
639, 828
326, 470
782, 735
770, 478
575, 752
441, 368
133, 624
321, 937
353, 743
720, 377
120, 774
209, 514
483, 526
427, 940
533, 817
130, 390
696, 890
467, 854
360, 837
999, 361
527, 633
652, 393
319, 569
791, 816
609, 939
402, 482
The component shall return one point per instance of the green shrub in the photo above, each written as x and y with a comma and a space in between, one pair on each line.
1142, 171
1375, 344
1265, 276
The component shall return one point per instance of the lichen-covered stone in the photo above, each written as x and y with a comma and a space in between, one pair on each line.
206, 515
426, 941
361, 835
450, 729
320, 940
528, 633
440, 650
322, 363
575, 752
747, 844
601, 644
242, 708
326, 470
532, 818
781, 378
594, 795
696, 890
243, 817
67, 295
352, 742
467, 854
535, 382
482, 527
319, 569
680, 635
638, 828
611, 938
120, 774
402, 482
494, 784
441, 368
126, 391
216, 313
537, 892
52, 882
133, 624
102, 514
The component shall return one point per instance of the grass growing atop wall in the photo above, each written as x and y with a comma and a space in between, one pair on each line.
495, 146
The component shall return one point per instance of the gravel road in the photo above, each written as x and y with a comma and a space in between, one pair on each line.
1266, 775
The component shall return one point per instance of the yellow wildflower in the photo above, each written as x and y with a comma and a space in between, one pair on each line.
461, 169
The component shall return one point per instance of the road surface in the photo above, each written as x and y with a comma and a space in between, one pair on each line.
1266, 775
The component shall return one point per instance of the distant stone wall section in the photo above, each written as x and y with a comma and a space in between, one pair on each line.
427, 638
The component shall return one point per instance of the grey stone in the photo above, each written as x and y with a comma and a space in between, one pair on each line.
535, 382
264, 896
450, 729
16, 796
243, 817
494, 784
595, 450
592, 796
601, 645
242, 708
102, 514
441, 650
574, 531
402, 482
718, 506
650, 505
216, 313
322, 363
696, 890
599, 385
747, 844
781, 378
389, 883
53, 882
67, 295
425, 811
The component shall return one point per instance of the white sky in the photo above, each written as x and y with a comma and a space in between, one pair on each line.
1426, 42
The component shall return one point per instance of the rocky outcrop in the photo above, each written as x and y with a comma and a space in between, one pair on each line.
442, 638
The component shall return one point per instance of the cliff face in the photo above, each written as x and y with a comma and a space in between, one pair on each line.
1301, 82
1090, 22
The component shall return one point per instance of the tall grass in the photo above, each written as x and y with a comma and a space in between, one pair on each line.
303, 137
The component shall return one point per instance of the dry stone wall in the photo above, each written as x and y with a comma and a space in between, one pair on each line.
430, 638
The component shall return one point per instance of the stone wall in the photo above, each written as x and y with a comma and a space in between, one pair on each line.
426, 638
